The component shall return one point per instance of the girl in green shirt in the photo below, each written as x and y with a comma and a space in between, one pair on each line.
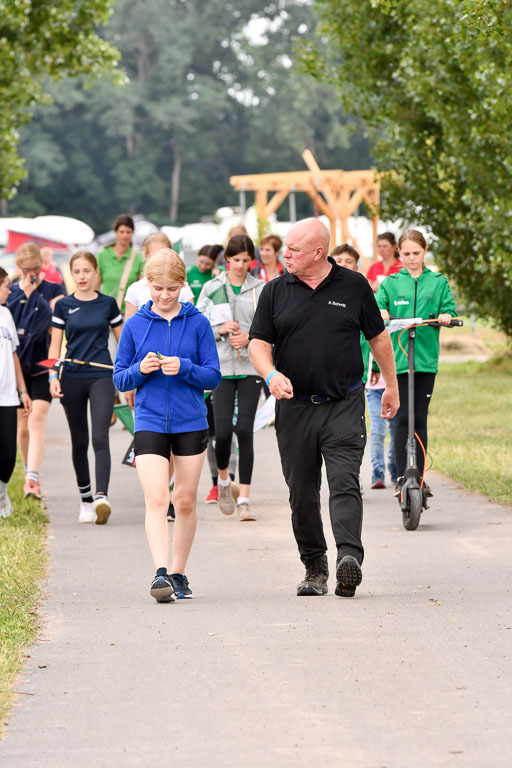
415, 291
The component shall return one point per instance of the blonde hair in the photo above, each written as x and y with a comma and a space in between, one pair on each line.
156, 237
165, 263
28, 251
415, 236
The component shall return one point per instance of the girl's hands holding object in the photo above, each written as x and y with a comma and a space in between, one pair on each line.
150, 363
239, 339
231, 326
170, 365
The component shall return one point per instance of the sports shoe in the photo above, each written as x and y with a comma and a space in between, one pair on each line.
180, 585
171, 514
244, 512
162, 589
235, 490
315, 578
378, 484
398, 487
213, 495
348, 576
103, 509
31, 488
226, 500
427, 490
5, 504
87, 512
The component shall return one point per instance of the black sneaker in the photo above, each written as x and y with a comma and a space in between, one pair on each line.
348, 576
171, 514
162, 589
180, 584
315, 578
427, 490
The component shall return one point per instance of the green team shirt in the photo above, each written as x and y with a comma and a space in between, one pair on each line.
406, 296
111, 268
197, 279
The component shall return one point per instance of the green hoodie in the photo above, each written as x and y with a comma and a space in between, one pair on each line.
406, 296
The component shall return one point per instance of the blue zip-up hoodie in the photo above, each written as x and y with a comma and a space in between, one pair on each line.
168, 403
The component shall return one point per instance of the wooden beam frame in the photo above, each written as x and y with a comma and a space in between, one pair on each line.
336, 193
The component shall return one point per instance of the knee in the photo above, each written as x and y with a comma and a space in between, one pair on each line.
185, 503
244, 433
100, 442
156, 500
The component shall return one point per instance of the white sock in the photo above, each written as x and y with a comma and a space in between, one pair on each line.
30, 475
222, 482
3, 486
243, 500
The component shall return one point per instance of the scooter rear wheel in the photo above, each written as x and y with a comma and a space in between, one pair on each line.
411, 515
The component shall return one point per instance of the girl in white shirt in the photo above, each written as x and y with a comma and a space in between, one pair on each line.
12, 390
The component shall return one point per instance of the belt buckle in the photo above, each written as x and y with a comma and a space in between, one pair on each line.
316, 401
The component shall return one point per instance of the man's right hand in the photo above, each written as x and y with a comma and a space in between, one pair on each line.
281, 387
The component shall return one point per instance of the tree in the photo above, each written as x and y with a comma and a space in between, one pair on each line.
207, 98
39, 40
432, 81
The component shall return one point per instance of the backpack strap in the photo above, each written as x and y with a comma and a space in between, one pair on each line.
124, 278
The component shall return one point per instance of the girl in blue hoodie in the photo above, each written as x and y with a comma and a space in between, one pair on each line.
167, 353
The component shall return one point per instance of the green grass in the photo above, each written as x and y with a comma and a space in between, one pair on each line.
22, 566
470, 426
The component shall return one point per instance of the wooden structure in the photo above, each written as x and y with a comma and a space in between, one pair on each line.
337, 194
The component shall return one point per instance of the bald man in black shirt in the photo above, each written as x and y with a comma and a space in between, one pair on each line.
313, 317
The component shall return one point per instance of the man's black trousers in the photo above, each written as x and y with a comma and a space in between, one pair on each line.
334, 432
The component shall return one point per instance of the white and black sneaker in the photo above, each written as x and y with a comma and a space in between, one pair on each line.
103, 509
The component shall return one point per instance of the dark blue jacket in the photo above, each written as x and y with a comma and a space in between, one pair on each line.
168, 403
33, 317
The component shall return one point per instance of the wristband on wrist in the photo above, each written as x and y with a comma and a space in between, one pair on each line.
270, 376
52, 376
23, 392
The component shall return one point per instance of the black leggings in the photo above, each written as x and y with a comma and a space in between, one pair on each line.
100, 393
8, 426
423, 389
248, 390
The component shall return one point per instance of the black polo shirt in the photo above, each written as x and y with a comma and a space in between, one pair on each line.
316, 333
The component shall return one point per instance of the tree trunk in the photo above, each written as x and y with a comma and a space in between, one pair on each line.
175, 184
4, 207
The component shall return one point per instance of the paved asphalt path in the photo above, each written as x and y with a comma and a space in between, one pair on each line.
412, 672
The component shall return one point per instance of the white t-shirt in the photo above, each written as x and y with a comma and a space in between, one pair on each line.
138, 293
8, 343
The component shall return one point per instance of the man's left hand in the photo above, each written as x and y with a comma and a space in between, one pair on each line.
390, 403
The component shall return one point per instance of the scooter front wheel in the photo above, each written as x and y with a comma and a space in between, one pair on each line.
411, 515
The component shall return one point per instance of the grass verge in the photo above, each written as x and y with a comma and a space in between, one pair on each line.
470, 426
22, 566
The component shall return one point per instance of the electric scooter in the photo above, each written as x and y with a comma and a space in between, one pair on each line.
413, 494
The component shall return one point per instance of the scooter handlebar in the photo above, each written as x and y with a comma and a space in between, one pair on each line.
454, 323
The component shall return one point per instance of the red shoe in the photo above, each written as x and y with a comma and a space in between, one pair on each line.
31, 488
378, 485
213, 496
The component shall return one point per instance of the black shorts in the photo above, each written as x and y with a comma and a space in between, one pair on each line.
162, 443
38, 388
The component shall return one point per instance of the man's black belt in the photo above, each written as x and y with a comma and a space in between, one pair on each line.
320, 399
